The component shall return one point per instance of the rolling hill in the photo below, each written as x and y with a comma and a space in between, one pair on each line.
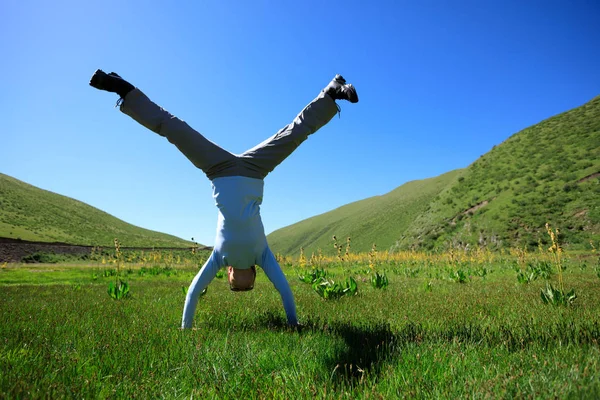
545, 173
30, 213
380, 219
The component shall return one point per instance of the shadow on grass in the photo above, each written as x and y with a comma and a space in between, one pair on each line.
366, 348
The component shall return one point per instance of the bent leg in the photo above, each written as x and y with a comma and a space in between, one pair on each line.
199, 283
263, 158
203, 153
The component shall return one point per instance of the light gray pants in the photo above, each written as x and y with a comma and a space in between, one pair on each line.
217, 162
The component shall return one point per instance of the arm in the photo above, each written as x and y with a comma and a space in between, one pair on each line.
276, 276
199, 283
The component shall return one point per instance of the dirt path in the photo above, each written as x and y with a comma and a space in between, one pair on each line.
13, 250
587, 178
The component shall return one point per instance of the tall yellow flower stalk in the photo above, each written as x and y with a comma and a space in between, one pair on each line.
118, 254
302, 260
556, 251
338, 248
347, 253
372, 257
521, 255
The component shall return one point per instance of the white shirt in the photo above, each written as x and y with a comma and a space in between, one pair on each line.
240, 241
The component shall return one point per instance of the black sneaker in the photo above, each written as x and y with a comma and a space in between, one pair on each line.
338, 89
111, 83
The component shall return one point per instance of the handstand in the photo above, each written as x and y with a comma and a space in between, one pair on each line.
237, 183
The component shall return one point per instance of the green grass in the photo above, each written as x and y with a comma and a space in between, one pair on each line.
30, 213
489, 337
532, 178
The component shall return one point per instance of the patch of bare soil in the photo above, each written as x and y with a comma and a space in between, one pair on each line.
580, 213
587, 178
471, 210
13, 250
476, 207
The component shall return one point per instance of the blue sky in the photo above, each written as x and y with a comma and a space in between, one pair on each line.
440, 83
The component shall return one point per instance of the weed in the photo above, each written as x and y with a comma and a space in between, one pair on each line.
551, 295
557, 297
347, 253
313, 276
108, 272
411, 272
302, 258
459, 276
338, 248
526, 276
330, 290
481, 272
157, 270
118, 289
379, 281
372, 255
428, 286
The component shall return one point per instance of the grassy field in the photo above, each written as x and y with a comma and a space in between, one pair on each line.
424, 335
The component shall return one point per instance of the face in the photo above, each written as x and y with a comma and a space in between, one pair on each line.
241, 279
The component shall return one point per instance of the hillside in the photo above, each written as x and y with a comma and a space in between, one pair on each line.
380, 220
545, 173
30, 213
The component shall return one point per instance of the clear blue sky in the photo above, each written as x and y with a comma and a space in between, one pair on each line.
440, 83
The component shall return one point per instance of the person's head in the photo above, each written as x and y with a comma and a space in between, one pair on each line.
241, 280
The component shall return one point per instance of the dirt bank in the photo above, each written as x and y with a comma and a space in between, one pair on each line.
13, 250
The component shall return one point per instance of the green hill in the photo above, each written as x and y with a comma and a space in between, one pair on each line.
380, 220
545, 173
30, 213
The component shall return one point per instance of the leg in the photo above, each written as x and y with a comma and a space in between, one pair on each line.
263, 158
203, 153
199, 283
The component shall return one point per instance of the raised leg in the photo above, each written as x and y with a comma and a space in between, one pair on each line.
264, 157
203, 153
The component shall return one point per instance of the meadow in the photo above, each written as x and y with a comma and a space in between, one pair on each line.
458, 324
